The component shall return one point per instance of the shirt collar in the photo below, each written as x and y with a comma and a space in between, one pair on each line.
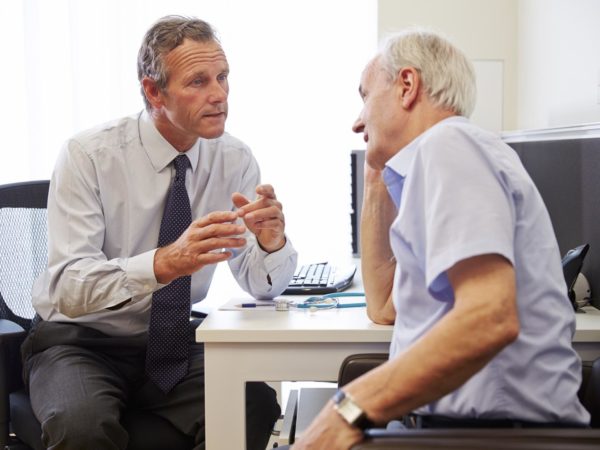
401, 161
396, 169
160, 152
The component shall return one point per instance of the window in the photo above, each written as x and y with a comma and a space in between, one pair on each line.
295, 69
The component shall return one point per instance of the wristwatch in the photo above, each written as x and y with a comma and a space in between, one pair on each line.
350, 411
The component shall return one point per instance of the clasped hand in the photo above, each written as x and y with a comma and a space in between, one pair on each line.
207, 239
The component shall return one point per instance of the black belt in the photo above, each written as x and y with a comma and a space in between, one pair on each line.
418, 421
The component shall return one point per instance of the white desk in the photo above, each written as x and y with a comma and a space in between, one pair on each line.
256, 345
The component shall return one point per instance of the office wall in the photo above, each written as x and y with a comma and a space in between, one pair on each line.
558, 63
485, 30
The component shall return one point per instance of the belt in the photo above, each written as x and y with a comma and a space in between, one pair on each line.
419, 421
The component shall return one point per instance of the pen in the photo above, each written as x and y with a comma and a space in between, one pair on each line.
254, 305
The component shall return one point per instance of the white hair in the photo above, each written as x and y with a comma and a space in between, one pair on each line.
448, 76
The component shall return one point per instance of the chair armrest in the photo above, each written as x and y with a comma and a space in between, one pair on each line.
9, 329
358, 364
471, 439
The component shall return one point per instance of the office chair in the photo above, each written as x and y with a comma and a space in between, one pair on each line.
23, 256
475, 439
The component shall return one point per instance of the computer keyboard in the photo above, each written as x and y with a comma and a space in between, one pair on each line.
320, 278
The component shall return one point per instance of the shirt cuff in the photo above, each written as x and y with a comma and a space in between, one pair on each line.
140, 274
274, 260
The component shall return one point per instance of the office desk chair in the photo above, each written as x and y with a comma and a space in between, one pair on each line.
23, 256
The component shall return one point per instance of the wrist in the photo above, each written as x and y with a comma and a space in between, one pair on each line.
272, 248
162, 271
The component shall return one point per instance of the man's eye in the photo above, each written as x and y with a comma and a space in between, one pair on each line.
198, 81
223, 76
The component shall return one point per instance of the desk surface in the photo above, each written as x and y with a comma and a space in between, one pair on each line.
332, 325
587, 325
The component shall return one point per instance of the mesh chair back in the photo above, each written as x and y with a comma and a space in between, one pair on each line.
23, 255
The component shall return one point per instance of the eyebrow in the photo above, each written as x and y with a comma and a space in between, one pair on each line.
205, 73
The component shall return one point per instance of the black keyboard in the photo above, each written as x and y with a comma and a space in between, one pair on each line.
320, 278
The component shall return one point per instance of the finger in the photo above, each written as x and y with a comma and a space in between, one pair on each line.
239, 200
266, 190
210, 245
259, 204
271, 224
273, 211
215, 217
216, 230
213, 258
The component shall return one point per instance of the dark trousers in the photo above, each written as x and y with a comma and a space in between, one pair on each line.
80, 380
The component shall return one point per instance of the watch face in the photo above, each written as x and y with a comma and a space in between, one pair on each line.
349, 410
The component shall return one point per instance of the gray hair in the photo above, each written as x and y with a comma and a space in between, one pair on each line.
448, 76
166, 34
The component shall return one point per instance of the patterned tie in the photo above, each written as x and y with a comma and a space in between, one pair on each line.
168, 347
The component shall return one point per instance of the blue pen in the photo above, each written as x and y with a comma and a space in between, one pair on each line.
254, 305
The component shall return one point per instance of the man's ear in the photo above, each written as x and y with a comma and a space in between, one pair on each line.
408, 82
152, 92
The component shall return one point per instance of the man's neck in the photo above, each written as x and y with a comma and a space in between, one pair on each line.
181, 141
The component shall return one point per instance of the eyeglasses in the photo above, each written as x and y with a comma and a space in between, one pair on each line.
329, 301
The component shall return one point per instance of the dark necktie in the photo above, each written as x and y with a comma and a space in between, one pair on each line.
168, 346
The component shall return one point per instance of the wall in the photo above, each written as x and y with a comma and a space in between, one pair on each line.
492, 35
559, 63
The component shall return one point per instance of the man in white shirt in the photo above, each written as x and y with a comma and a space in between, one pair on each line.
458, 252
85, 358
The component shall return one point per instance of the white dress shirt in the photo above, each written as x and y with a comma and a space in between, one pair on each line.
462, 192
105, 206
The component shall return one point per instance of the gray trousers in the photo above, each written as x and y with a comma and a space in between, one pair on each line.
80, 380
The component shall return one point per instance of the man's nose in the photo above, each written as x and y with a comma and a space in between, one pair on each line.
218, 93
358, 126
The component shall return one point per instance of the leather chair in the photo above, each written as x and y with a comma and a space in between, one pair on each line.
23, 255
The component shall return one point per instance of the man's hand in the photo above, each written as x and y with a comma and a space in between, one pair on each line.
193, 250
328, 431
263, 217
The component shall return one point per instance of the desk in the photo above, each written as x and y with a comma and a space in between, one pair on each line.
258, 345
587, 333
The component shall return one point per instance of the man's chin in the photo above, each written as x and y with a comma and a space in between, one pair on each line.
212, 133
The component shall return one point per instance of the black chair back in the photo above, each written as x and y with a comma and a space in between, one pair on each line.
23, 256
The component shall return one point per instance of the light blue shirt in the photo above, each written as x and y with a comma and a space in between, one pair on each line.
105, 206
462, 192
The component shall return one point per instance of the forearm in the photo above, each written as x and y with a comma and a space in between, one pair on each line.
435, 366
377, 260
90, 285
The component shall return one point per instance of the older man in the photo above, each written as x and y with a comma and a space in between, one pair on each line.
458, 252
